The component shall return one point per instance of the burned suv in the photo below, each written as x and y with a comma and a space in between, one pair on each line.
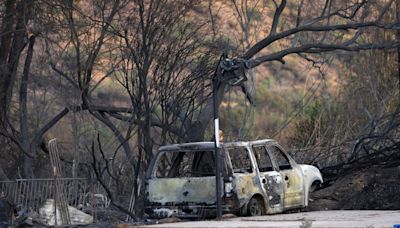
257, 178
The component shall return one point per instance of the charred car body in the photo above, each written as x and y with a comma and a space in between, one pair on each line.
258, 177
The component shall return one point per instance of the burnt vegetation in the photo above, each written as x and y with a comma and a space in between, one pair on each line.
113, 80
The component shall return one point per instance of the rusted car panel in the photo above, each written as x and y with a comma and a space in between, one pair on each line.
246, 186
274, 192
258, 177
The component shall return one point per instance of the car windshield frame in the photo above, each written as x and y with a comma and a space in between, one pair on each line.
156, 162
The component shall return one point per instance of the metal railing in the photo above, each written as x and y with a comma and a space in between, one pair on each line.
30, 194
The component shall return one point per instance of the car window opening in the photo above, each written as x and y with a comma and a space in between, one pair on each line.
281, 158
173, 164
264, 162
240, 160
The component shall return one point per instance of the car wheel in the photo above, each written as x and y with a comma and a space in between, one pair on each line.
255, 207
311, 189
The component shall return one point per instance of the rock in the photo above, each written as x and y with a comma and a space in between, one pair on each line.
46, 215
227, 216
169, 220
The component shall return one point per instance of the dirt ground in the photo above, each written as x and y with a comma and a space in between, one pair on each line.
369, 189
341, 218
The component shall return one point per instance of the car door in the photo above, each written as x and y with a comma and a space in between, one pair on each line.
271, 179
244, 173
292, 176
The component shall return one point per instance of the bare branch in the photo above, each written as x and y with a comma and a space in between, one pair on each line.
385, 9
39, 134
106, 121
352, 26
99, 177
317, 48
277, 16
298, 17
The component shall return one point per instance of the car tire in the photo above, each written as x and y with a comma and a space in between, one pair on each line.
255, 207
312, 189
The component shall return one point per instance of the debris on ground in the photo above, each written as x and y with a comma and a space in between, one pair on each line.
6, 212
47, 214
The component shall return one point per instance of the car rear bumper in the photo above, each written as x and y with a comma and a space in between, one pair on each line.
186, 211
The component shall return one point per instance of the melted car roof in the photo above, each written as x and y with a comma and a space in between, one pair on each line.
210, 145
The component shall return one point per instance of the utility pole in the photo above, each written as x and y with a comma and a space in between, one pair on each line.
231, 72
215, 83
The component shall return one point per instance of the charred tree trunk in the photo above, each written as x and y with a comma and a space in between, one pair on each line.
6, 35
12, 43
23, 112
398, 39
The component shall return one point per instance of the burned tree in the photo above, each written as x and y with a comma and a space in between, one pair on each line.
331, 26
162, 60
